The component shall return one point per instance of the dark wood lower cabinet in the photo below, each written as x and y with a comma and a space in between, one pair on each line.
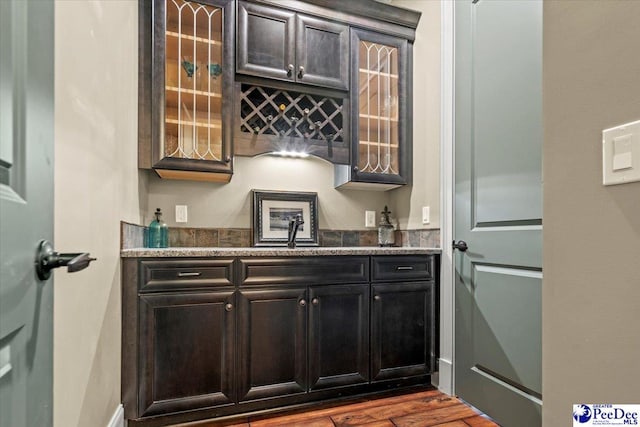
187, 357
276, 325
195, 348
338, 336
401, 330
272, 350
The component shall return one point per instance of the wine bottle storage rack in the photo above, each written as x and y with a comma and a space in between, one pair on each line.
279, 120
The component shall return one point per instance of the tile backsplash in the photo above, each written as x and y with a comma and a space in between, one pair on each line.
132, 236
209, 237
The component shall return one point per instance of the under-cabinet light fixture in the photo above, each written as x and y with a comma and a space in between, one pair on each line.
294, 154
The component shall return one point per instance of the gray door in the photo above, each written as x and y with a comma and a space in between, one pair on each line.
498, 208
26, 211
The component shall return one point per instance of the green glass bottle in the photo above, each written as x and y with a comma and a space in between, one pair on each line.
158, 234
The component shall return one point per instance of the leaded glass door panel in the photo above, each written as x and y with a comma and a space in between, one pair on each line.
379, 108
192, 82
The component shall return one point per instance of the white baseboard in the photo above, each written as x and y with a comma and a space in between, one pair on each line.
117, 420
445, 376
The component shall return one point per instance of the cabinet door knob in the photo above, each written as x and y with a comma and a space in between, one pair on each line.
315, 301
228, 307
301, 71
302, 303
376, 297
356, 169
227, 159
290, 70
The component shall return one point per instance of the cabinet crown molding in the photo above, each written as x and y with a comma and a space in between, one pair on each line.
373, 9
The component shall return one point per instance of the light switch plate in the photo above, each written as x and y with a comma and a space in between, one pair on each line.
426, 215
181, 213
621, 154
369, 218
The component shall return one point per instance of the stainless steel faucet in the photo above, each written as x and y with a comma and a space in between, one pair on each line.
294, 224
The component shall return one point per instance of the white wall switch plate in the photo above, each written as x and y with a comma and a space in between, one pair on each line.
621, 154
369, 218
181, 213
426, 215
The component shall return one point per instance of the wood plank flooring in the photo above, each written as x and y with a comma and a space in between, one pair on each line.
423, 409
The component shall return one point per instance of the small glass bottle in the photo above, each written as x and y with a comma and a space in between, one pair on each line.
386, 232
158, 234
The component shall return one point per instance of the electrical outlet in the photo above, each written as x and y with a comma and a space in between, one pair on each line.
181, 213
425, 215
369, 218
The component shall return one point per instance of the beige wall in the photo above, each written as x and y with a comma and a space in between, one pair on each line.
591, 291
96, 185
228, 205
408, 201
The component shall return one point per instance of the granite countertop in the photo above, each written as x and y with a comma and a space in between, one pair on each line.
274, 251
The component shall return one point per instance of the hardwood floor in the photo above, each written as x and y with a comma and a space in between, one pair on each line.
423, 409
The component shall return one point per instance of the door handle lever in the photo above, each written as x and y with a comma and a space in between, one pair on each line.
76, 262
47, 259
461, 245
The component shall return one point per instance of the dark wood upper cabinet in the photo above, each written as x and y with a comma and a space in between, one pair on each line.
185, 96
187, 360
322, 52
381, 113
266, 41
344, 70
284, 45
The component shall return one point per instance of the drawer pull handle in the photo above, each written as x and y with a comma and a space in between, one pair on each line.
403, 267
189, 274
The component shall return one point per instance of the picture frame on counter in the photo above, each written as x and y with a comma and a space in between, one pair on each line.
271, 212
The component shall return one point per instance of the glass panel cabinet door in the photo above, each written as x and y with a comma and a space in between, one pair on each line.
193, 97
379, 102
193, 75
378, 112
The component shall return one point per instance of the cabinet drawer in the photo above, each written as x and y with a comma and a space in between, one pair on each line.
162, 275
304, 270
403, 267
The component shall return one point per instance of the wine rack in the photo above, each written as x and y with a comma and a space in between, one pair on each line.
273, 119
